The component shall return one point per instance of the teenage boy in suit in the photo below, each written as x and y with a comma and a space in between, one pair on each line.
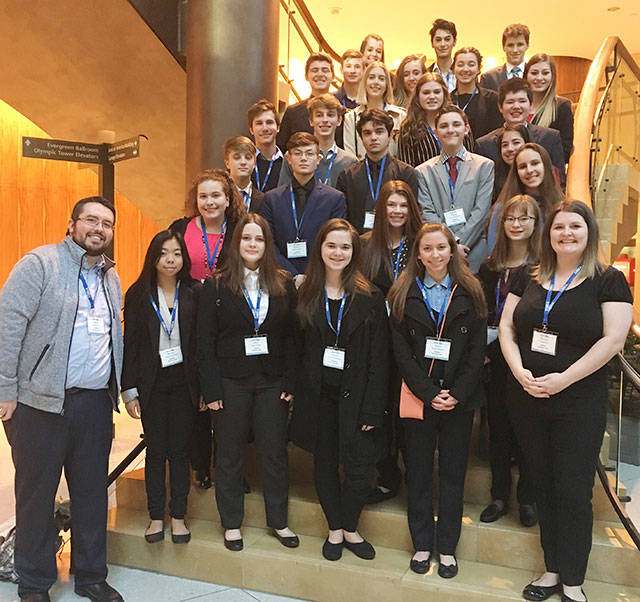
515, 43
240, 159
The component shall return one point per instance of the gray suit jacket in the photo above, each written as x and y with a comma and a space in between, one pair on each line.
494, 77
342, 161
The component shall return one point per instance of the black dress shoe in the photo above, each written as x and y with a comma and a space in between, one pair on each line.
420, 566
36, 597
528, 515
235, 545
492, 512
99, 592
566, 598
540, 592
154, 537
362, 549
447, 571
288, 541
376, 495
332, 551
183, 538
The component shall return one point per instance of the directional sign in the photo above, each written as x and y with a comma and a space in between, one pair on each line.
125, 149
63, 150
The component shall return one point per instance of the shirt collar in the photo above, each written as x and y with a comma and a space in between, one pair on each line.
307, 188
430, 282
461, 154
371, 162
333, 150
521, 66
248, 189
277, 155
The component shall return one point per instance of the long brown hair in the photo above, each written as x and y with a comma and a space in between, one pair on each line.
416, 122
311, 290
400, 93
236, 208
271, 277
591, 264
498, 259
376, 252
458, 270
548, 109
548, 191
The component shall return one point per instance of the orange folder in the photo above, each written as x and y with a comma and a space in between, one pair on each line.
410, 405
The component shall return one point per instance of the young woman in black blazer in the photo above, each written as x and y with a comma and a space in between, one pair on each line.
247, 358
341, 395
160, 375
438, 326
386, 250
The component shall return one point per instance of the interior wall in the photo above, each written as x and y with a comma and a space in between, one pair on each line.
36, 198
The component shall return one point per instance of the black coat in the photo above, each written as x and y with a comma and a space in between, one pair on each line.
363, 390
225, 319
142, 336
482, 112
468, 335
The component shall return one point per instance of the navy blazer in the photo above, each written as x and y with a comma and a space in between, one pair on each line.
549, 139
323, 204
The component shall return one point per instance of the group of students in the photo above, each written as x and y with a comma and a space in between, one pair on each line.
364, 308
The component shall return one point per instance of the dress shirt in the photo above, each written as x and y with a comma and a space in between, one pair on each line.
89, 365
301, 194
448, 77
252, 285
510, 69
461, 154
437, 292
245, 193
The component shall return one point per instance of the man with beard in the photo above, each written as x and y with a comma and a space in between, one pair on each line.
60, 363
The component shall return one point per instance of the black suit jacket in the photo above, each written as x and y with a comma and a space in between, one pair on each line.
225, 319
549, 139
256, 200
493, 78
142, 336
353, 182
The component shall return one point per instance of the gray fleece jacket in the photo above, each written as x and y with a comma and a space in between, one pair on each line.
38, 305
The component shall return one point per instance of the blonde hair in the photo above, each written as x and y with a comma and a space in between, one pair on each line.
361, 98
548, 109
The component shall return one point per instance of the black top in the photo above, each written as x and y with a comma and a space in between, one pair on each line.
564, 124
333, 376
575, 336
482, 111
301, 193
345, 101
263, 167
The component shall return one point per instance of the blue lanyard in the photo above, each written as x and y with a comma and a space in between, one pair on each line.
366, 163
254, 310
92, 298
451, 184
434, 136
174, 312
266, 177
340, 312
211, 261
326, 178
395, 266
423, 290
499, 306
475, 91
295, 213
549, 302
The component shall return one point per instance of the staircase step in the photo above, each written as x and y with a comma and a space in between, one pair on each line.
265, 565
505, 543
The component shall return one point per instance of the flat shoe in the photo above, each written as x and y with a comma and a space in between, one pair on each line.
448, 571
566, 598
288, 541
420, 566
362, 549
540, 592
98, 592
235, 545
528, 515
183, 538
154, 537
492, 513
332, 551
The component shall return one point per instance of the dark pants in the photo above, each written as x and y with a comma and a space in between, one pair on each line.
561, 438
252, 403
341, 503
201, 443
42, 443
503, 444
450, 432
167, 421
389, 474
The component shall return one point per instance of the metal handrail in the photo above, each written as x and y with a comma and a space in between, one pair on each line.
131, 456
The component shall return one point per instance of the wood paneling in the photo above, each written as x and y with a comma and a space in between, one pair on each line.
36, 198
572, 71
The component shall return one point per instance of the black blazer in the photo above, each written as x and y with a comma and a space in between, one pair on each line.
564, 124
142, 335
225, 319
363, 390
468, 335
483, 113
256, 200
180, 225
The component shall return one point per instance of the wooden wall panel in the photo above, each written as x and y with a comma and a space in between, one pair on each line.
572, 71
36, 198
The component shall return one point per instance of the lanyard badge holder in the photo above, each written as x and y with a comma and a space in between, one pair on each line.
453, 217
266, 176
255, 344
95, 324
370, 216
212, 260
172, 355
333, 355
296, 249
326, 177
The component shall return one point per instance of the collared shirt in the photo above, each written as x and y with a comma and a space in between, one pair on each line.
165, 342
252, 285
510, 69
245, 193
262, 166
461, 154
301, 194
345, 101
437, 292
89, 365
448, 77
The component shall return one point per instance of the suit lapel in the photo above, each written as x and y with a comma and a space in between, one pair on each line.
243, 307
443, 174
153, 324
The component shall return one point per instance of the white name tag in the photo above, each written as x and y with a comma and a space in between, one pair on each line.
171, 356
492, 334
454, 217
333, 358
369, 219
96, 325
544, 342
435, 349
297, 249
256, 345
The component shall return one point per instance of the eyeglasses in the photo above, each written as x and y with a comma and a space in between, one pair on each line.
94, 222
523, 220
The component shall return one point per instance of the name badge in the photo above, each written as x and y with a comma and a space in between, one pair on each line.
256, 345
171, 356
435, 349
96, 325
492, 334
297, 249
369, 218
544, 342
333, 358
454, 217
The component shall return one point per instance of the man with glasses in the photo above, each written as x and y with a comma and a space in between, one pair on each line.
60, 363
